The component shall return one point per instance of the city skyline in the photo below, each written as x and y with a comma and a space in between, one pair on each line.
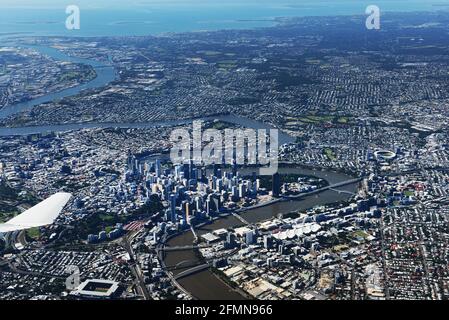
251, 156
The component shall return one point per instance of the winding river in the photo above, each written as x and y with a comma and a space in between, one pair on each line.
105, 73
204, 284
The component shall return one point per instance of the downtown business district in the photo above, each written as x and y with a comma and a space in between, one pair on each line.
341, 251
140, 227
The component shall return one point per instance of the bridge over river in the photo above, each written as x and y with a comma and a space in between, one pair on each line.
332, 187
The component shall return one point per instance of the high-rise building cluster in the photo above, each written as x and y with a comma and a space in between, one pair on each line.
194, 193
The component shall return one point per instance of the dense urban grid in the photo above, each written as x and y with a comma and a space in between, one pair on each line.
358, 209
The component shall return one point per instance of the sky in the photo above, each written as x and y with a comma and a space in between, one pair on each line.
142, 17
97, 4
120, 3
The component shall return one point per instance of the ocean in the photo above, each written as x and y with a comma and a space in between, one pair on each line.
100, 18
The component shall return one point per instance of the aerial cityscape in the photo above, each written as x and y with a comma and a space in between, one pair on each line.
338, 190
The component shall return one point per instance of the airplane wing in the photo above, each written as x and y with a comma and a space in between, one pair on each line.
42, 214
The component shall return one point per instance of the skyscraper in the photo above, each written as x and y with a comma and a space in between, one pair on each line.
157, 168
173, 207
208, 210
276, 186
267, 242
242, 190
249, 237
198, 204
187, 212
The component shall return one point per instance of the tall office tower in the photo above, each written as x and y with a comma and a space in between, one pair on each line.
130, 161
187, 212
242, 190
224, 183
267, 242
235, 193
186, 170
178, 170
165, 193
234, 168
217, 200
249, 237
170, 185
255, 187
184, 210
191, 167
216, 170
276, 186
173, 207
146, 168
219, 185
229, 184
281, 249
140, 167
202, 174
198, 204
210, 183
257, 184
249, 186
230, 240
194, 174
155, 237
208, 210
168, 214
215, 203
191, 184
224, 196
157, 168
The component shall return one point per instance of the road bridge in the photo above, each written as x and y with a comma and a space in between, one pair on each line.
343, 191
182, 248
329, 187
191, 271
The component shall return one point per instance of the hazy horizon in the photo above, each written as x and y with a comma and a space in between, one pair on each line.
55, 4
143, 17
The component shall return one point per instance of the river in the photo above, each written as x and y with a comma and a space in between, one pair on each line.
105, 73
205, 284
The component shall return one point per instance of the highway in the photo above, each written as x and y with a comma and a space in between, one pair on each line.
135, 268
